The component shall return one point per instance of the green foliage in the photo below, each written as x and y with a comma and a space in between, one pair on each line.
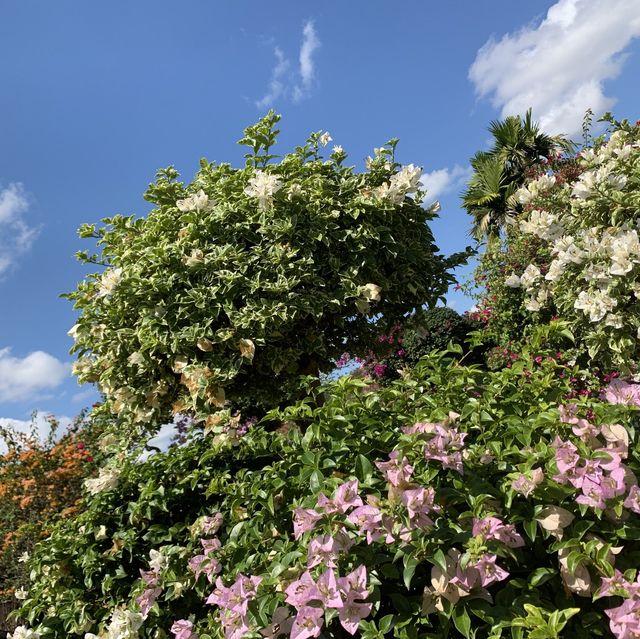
518, 144
240, 282
506, 424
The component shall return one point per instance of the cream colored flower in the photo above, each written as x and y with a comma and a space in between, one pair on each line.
196, 257
109, 281
196, 202
180, 363
107, 479
124, 624
325, 138
580, 580
21, 593
263, 186
136, 359
554, 519
247, 348
205, 344
371, 292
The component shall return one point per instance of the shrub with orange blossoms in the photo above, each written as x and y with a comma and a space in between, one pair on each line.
40, 482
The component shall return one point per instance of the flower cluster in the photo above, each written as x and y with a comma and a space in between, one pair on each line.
588, 262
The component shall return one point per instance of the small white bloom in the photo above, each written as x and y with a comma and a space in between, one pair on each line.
371, 292
22, 632
157, 560
73, 332
107, 479
513, 281
124, 624
263, 186
338, 150
530, 276
325, 138
109, 280
100, 533
21, 593
24, 558
196, 202
136, 359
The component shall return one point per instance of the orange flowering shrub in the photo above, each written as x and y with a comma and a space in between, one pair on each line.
40, 482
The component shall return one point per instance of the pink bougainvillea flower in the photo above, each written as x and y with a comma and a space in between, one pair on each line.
489, 571
632, 502
397, 472
620, 392
493, 528
235, 626
210, 545
368, 519
328, 589
419, 502
352, 612
308, 623
347, 496
183, 629
147, 599
625, 619
526, 484
211, 525
150, 577
281, 623
304, 520
302, 591
355, 583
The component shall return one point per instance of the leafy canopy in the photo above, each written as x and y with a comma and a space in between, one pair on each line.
246, 278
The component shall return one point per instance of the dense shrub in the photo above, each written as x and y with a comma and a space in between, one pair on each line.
240, 282
454, 502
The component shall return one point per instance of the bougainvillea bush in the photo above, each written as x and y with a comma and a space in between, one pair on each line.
244, 279
453, 502
574, 252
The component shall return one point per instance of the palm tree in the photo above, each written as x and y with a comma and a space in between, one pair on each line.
518, 144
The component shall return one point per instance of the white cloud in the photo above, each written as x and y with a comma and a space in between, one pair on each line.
277, 84
307, 70
443, 181
296, 83
25, 378
16, 237
39, 426
559, 66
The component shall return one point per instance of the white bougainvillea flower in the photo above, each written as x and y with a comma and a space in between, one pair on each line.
22, 632
107, 479
263, 186
513, 281
325, 138
109, 280
136, 359
247, 348
124, 624
371, 292
338, 150
197, 202
73, 332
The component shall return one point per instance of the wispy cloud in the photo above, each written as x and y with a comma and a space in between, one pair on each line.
443, 181
290, 81
307, 67
278, 79
16, 236
559, 65
25, 378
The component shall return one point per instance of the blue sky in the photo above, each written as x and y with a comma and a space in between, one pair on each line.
96, 96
